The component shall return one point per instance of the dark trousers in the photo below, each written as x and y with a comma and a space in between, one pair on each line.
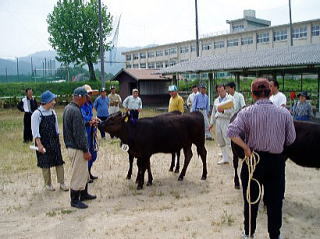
270, 172
102, 132
133, 116
27, 133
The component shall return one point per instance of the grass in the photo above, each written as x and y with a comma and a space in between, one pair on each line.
16, 155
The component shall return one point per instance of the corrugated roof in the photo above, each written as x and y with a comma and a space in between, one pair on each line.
142, 74
262, 58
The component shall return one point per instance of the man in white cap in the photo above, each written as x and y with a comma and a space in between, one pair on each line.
114, 101
133, 105
176, 102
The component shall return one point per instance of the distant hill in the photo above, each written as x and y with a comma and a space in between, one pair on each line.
39, 58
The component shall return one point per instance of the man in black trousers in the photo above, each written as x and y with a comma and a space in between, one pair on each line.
28, 104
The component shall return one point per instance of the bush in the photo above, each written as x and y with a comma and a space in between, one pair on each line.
63, 88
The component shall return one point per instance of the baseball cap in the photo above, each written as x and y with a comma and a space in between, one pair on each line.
172, 88
80, 91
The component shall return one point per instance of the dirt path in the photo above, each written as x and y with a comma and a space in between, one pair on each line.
168, 209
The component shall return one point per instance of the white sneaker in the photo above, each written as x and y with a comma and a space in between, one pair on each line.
49, 188
244, 236
222, 161
64, 187
220, 154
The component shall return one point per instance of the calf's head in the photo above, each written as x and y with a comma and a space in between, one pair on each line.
113, 124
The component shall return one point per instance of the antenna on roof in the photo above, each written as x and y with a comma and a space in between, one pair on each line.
114, 44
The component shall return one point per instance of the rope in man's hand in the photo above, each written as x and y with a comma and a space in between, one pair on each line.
252, 162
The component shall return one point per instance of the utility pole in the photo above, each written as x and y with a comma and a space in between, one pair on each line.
45, 67
18, 68
6, 74
291, 41
31, 68
197, 32
101, 46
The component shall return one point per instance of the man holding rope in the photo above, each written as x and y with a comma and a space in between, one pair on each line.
263, 128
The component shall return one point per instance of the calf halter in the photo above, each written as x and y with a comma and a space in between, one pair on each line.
252, 162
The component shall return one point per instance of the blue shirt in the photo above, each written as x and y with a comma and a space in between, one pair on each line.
101, 105
201, 101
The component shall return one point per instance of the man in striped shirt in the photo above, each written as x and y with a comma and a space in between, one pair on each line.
265, 129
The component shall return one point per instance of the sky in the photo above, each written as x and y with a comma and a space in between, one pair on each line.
23, 23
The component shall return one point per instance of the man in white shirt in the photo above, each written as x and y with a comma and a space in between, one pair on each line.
28, 105
238, 98
133, 105
221, 118
191, 97
277, 97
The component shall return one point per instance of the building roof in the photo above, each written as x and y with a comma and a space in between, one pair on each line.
262, 58
252, 19
142, 74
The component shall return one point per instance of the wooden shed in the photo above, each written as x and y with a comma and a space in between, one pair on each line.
153, 87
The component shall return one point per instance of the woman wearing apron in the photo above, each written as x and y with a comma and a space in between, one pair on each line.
45, 131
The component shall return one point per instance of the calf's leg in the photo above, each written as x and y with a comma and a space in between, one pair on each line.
187, 157
172, 161
130, 166
178, 162
203, 154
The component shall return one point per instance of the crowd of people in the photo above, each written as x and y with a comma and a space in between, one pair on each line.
80, 135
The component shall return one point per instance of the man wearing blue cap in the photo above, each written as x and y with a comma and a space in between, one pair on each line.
45, 131
75, 139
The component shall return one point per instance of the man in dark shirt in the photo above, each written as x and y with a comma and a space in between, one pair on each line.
264, 128
28, 105
75, 139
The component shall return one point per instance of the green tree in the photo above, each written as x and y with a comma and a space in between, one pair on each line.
73, 26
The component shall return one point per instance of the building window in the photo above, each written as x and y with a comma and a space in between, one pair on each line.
184, 49
315, 30
166, 52
184, 60
206, 46
159, 53
128, 57
151, 65
246, 40
299, 32
193, 48
142, 55
159, 64
218, 44
128, 66
232, 42
263, 37
166, 64
238, 28
135, 56
150, 54
172, 50
142, 65
135, 66
172, 63
280, 35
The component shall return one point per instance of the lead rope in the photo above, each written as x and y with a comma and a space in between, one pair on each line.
252, 162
